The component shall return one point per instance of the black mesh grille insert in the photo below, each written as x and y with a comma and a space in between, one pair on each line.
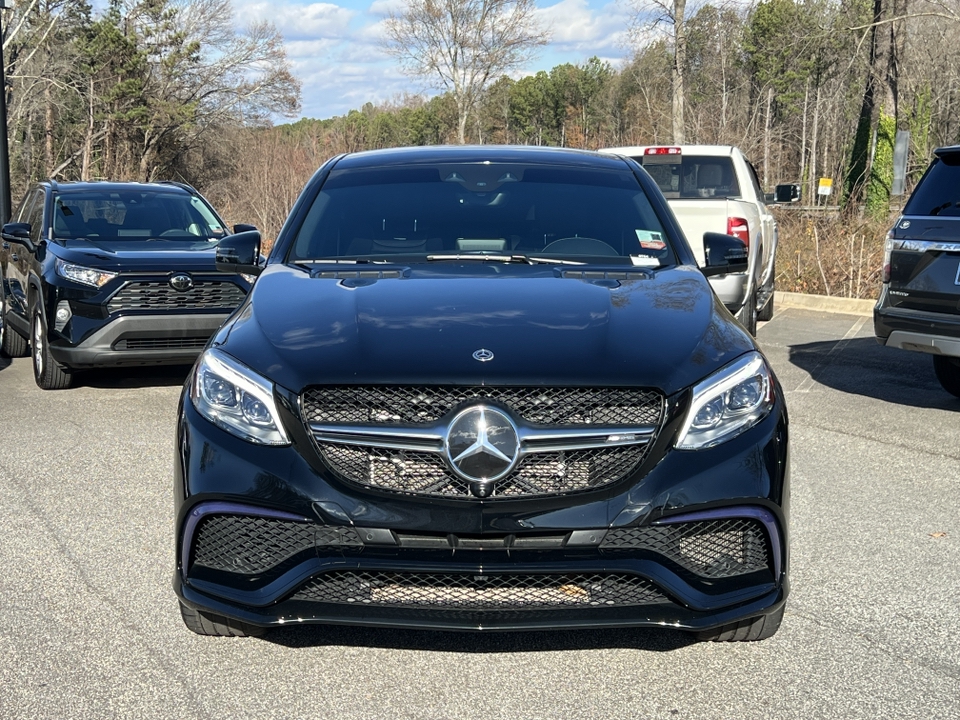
537, 474
251, 545
480, 592
708, 548
185, 343
151, 295
424, 404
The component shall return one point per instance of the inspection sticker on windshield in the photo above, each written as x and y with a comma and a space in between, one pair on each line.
650, 240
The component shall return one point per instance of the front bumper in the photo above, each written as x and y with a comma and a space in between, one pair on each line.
128, 340
327, 552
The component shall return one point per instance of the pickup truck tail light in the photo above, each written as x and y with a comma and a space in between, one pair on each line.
738, 228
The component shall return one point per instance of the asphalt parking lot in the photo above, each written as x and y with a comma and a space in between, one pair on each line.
89, 626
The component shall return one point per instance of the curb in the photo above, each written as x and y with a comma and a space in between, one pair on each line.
824, 303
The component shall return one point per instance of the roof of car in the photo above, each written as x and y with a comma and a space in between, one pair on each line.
112, 186
633, 150
948, 150
478, 154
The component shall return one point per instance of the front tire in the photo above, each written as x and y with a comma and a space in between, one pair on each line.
48, 374
12, 343
751, 630
215, 625
947, 369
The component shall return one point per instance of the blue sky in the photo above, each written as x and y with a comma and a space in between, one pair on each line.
333, 46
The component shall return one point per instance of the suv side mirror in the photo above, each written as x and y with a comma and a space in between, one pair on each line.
18, 233
243, 227
240, 253
724, 254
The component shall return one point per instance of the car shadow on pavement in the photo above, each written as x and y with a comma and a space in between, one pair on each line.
861, 366
5, 362
133, 377
654, 640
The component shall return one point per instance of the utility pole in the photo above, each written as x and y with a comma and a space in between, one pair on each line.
5, 208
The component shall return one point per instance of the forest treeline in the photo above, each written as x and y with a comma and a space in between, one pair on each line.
808, 89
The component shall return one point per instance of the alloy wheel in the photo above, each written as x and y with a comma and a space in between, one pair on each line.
38, 346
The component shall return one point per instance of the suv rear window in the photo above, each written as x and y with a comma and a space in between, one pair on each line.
692, 176
938, 192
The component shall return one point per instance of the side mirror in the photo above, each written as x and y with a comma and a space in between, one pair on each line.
240, 253
18, 233
724, 254
243, 227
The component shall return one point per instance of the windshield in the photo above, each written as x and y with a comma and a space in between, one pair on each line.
134, 214
692, 176
449, 212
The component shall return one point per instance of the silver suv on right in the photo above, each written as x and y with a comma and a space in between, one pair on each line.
919, 305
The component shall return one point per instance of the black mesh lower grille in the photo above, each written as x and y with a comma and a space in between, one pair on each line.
184, 343
480, 592
425, 404
537, 474
708, 548
251, 545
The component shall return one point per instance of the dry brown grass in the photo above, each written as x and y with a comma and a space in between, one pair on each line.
829, 254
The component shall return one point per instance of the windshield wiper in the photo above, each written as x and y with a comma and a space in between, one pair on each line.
517, 258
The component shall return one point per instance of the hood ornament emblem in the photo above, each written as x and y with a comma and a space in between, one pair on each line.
483, 355
181, 282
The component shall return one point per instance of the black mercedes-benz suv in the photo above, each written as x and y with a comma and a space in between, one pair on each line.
108, 274
919, 305
482, 388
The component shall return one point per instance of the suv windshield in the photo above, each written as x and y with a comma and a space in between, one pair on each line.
134, 214
938, 192
692, 176
449, 211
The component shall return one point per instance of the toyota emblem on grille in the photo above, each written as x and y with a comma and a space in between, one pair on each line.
482, 446
483, 355
181, 282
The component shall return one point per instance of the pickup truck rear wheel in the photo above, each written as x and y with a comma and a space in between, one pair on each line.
748, 315
766, 312
948, 373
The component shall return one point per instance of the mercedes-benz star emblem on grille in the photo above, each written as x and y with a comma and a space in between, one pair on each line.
483, 355
482, 446
181, 282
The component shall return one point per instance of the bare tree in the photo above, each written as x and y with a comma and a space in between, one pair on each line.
461, 46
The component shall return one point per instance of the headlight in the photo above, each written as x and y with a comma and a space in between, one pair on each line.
727, 403
84, 275
236, 399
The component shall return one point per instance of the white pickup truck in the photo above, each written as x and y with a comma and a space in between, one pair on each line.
713, 188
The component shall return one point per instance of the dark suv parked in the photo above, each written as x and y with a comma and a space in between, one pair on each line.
919, 306
109, 274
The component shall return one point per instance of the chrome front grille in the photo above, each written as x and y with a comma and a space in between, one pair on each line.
428, 473
397, 438
158, 295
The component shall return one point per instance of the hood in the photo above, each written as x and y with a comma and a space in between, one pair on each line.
140, 255
660, 329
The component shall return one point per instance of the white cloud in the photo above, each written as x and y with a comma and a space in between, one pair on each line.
382, 8
576, 27
298, 21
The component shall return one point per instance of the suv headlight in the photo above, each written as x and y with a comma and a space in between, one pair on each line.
84, 275
732, 400
236, 399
